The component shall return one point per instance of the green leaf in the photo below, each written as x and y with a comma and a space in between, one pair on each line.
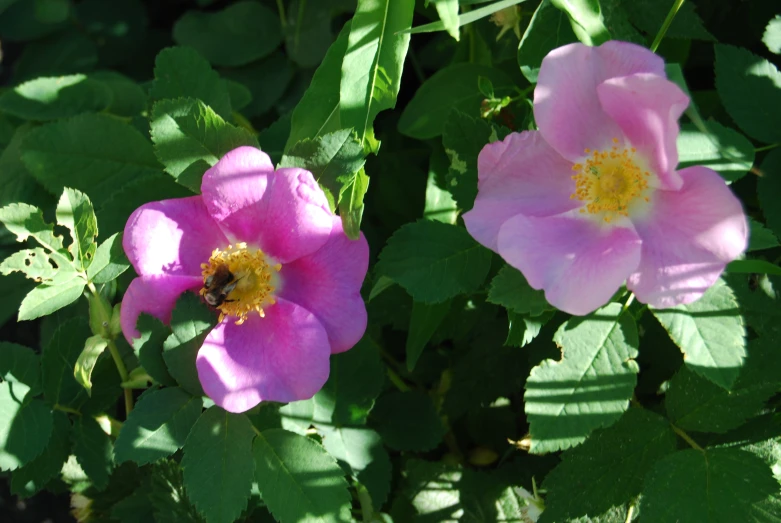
452, 87
696, 404
727, 152
548, 29
240, 95
753, 267
407, 421
334, 159
592, 384
46, 299
308, 32
149, 348
46, 99
448, 13
440, 205
34, 476
93, 450
75, 212
25, 426
33, 263
710, 334
434, 261
524, 328
760, 237
586, 19
466, 18
181, 72
66, 52
218, 466
772, 35
298, 480
750, 89
57, 362
82, 371
715, 485
189, 138
18, 185
608, 468
486, 498
191, 322
351, 204
768, 189
94, 153
128, 99
27, 221
430, 494
168, 497
239, 34
423, 323
157, 426
109, 261
373, 61
268, 80
511, 290
649, 16
19, 364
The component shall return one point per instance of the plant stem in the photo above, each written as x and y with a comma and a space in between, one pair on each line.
123, 374
693, 444
397, 381
282, 15
365, 501
69, 410
666, 24
628, 302
767, 147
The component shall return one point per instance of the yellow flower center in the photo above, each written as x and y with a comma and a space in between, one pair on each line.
611, 182
239, 280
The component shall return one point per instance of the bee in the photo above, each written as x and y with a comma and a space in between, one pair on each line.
217, 286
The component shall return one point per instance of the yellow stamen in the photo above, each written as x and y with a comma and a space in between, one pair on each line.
255, 276
610, 182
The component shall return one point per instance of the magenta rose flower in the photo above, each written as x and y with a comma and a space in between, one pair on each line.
264, 249
593, 199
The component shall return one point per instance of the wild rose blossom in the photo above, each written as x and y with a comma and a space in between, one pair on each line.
294, 298
593, 199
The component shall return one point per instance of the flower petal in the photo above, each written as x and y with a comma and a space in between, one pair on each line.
520, 175
647, 108
155, 295
171, 237
688, 238
328, 284
578, 262
284, 212
566, 107
282, 357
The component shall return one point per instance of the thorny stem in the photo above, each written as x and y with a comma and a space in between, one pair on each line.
693, 444
666, 24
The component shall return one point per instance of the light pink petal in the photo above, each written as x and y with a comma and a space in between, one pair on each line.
154, 295
578, 262
328, 284
171, 237
282, 357
647, 108
520, 175
566, 106
284, 212
688, 238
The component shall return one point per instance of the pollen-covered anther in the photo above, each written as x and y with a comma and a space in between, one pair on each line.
610, 182
240, 280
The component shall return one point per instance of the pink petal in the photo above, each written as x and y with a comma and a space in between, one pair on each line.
171, 237
328, 284
282, 357
155, 295
520, 175
688, 239
566, 107
647, 108
284, 212
578, 262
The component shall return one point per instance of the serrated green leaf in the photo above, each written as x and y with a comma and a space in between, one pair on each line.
586, 19
298, 416
422, 324
407, 421
351, 204
93, 450
33, 263
19, 364
18, 185
452, 87
191, 322
181, 72
85, 364
758, 301
298, 480
128, 98
448, 13
524, 328
756, 267
333, 158
727, 152
57, 362
48, 298
75, 212
149, 348
25, 426
511, 290
217, 464
269, 80
308, 32
608, 468
548, 29
772, 35
33, 476
749, 89
239, 93
710, 334
239, 34
46, 99
109, 261
485, 499
190, 137
768, 189
649, 16
168, 497
158, 426
430, 494
715, 485
373, 61
440, 205
760, 237
434, 261
27, 221
135, 508
592, 384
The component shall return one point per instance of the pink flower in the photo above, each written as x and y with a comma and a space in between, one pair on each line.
281, 273
593, 199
